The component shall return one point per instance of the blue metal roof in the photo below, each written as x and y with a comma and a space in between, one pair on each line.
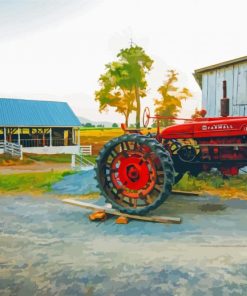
31, 113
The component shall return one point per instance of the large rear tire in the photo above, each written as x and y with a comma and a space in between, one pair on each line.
134, 173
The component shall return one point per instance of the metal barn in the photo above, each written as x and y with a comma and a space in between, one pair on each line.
39, 126
210, 80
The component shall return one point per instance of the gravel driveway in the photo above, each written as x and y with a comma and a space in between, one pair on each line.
50, 248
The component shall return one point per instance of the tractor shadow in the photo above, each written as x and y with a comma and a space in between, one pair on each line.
212, 207
186, 205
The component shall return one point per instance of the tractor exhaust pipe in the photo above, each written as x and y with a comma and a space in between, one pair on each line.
224, 102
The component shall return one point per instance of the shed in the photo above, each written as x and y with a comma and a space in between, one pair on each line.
210, 79
39, 126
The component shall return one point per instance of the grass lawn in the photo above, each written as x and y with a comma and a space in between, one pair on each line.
6, 160
30, 182
57, 158
215, 184
41, 182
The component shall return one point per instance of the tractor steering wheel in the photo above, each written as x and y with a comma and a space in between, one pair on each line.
146, 117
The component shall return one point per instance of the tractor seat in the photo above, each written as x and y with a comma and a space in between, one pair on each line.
130, 130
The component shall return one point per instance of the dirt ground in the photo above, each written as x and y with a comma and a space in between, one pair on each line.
51, 248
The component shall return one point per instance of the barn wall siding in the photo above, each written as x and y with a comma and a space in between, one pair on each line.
219, 91
205, 102
211, 93
236, 77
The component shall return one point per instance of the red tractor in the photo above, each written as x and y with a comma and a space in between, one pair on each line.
136, 172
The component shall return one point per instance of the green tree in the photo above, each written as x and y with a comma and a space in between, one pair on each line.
136, 65
114, 124
89, 124
113, 94
170, 102
124, 83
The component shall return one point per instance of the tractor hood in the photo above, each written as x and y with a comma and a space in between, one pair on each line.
207, 127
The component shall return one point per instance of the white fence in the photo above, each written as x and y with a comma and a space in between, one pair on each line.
13, 149
86, 150
79, 162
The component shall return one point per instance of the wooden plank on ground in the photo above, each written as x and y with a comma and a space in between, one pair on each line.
89, 206
178, 192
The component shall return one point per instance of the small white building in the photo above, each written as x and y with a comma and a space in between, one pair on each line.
210, 79
41, 127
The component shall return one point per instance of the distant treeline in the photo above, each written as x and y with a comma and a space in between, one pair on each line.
89, 124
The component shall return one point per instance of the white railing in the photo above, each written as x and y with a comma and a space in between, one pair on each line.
1, 144
86, 150
47, 142
79, 162
13, 149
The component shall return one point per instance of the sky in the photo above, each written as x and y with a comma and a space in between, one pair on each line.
57, 49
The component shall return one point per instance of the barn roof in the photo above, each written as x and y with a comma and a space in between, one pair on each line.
198, 72
223, 64
32, 113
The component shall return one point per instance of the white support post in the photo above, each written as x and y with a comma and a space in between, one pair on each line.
21, 157
4, 132
73, 135
73, 161
50, 137
19, 137
78, 138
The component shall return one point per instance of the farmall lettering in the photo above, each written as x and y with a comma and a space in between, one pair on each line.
217, 127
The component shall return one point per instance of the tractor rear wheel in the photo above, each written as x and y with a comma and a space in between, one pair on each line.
134, 173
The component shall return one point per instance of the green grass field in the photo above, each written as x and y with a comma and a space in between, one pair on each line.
57, 158
215, 184
37, 183
31, 158
99, 128
30, 182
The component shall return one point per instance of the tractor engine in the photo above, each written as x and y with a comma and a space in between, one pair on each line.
194, 155
227, 154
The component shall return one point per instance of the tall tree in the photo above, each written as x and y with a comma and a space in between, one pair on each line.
136, 65
124, 82
170, 102
113, 93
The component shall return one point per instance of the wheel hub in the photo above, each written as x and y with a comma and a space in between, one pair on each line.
135, 175
133, 172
